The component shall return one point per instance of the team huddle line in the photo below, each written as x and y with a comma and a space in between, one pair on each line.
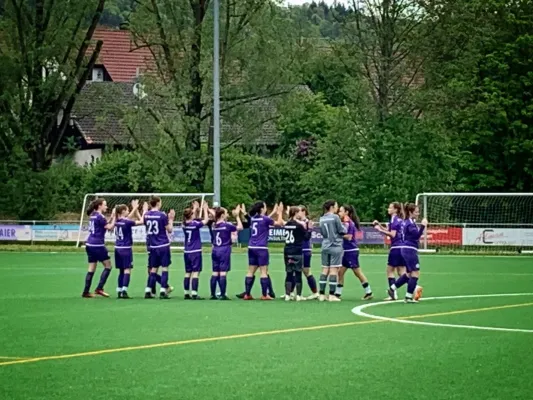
339, 249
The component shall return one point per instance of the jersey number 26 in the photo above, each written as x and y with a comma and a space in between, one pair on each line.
289, 237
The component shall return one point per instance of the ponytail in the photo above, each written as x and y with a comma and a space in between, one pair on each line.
408, 209
256, 209
352, 214
327, 205
93, 206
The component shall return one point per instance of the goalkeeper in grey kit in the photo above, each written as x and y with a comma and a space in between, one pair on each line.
296, 233
332, 231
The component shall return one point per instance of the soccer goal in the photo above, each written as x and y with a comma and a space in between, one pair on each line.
501, 222
170, 201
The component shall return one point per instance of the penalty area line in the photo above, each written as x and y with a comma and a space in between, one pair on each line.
236, 336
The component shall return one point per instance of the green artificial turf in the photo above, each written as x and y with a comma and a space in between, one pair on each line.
43, 315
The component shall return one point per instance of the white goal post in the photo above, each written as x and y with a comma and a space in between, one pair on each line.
176, 201
484, 222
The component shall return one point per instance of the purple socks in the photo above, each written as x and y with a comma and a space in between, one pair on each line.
222, 282
103, 278
164, 279
411, 286
213, 285
88, 282
187, 284
402, 280
264, 286
391, 281
126, 281
194, 285
120, 282
248, 284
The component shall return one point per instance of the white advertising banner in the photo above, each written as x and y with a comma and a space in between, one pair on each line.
497, 237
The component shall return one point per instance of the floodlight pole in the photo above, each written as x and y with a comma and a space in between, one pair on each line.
216, 103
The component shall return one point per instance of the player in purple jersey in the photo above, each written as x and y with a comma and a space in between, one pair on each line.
221, 239
126, 220
395, 261
95, 246
258, 256
158, 227
410, 234
192, 253
350, 258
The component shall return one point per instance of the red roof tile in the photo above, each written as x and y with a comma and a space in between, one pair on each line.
118, 55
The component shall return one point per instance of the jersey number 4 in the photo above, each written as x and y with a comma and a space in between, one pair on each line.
152, 228
289, 237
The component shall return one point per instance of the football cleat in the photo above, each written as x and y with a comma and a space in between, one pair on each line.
368, 296
196, 297
392, 294
418, 292
100, 292
266, 298
213, 298
241, 295
247, 297
125, 295
300, 298
410, 300
164, 296
286, 297
314, 296
187, 297
224, 298
333, 298
149, 295
322, 297
87, 295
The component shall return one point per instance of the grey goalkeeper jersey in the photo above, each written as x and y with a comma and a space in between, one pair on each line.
332, 231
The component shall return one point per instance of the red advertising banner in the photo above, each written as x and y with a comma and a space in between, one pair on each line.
444, 235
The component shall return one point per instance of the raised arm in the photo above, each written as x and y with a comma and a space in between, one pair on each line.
170, 224
205, 210
237, 214
140, 218
111, 222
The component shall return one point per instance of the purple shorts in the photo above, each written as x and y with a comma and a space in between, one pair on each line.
258, 257
396, 258
96, 254
350, 259
307, 258
221, 258
193, 262
411, 259
159, 257
123, 258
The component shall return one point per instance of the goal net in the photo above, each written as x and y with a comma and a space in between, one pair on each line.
170, 201
500, 222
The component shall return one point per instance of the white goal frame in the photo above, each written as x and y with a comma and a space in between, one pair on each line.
201, 196
422, 202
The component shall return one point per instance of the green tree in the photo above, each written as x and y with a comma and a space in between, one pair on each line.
45, 60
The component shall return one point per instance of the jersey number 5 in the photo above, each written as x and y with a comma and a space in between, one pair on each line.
254, 229
152, 228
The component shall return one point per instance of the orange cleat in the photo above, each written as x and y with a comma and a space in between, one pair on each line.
418, 293
87, 295
266, 298
247, 297
100, 292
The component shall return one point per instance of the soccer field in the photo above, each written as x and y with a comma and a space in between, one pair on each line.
56, 345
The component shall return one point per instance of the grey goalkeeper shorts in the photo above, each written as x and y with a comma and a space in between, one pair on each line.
332, 257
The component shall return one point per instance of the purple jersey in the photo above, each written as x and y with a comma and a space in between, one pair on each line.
221, 236
193, 242
123, 233
395, 224
156, 229
97, 223
411, 233
350, 245
259, 230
